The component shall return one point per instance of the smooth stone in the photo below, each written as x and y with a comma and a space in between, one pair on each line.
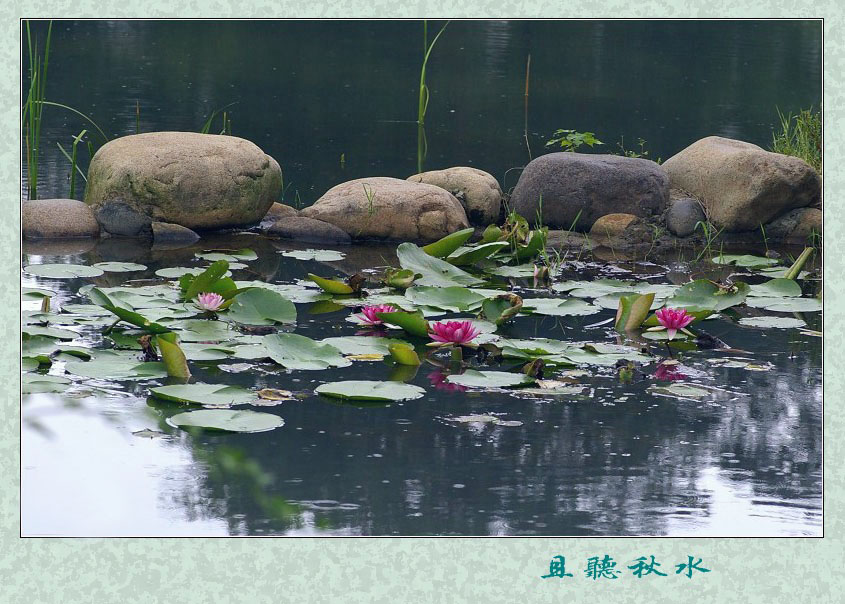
618, 230
684, 214
172, 235
276, 212
123, 220
58, 219
390, 209
478, 191
742, 185
308, 230
564, 184
199, 181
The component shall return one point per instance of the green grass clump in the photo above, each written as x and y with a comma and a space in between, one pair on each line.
800, 136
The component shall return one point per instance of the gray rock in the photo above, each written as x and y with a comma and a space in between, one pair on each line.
58, 219
276, 212
172, 235
307, 230
200, 181
796, 226
741, 185
478, 191
389, 208
118, 218
595, 185
683, 214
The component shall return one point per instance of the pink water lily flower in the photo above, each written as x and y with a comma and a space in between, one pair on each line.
673, 319
209, 302
453, 332
368, 314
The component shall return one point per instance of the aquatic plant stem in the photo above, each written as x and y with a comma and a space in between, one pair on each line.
525, 123
799, 263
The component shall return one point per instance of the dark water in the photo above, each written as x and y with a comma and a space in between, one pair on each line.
309, 92
616, 461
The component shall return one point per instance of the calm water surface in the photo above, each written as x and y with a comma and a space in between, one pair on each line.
616, 461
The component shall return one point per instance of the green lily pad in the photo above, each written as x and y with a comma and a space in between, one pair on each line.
62, 271
786, 304
453, 299
227, 420
295, 351
556, 307
205, 352
35, 293
111, 365
706, 295
261, 307
448, 244
318, 255
368, 390
465, 256
49, 332
244, 254
36, 382
30, 364
119, 267
435, 272
361, 344
216, 395
520, 271
746, 260
490, 379
776, 288
780, 322
678, 390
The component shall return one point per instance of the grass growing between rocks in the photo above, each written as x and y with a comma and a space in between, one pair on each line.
800, 136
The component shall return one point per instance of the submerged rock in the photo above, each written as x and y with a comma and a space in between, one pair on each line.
741, 185
389, 208
796, 226
683, 214
58, 219
478, 191
199, 181
565, 183
308, 230
172, 235
276, 212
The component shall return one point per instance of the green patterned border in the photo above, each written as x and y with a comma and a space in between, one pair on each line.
422, 570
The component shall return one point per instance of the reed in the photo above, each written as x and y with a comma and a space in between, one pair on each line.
800, 136
34, 106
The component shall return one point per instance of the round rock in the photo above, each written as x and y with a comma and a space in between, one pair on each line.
618, 230
307, 230
58, 219
683, 214
389, 208
172, 235
277, 212
478, 191
741, 185
199, 181
564, 184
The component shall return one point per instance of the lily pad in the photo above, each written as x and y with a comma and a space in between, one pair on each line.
706, 295
490, 379
244, 254
520, 271
318, 255
295, 351
556, 307
356, 345
35, 293
261, 307
435, 272
35, 382
465, 256
453, 299
680, 391
119, 267
227, 420
49, 332
216, 395
62, 271
448, 244
776, 288
368, 390
780, 322
110, 365
786, 304
746, 260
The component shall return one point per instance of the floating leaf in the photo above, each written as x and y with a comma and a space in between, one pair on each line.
776, 288
680, 391
35, 293
454, 299
490, 379
206, 352
119, 267
556, 307
49, 332
448, 244
502, 308
520, 271
273, 394
227, 420
295, 351
200, 330
216, 395
318, 255
62, 271
110, 365
367, 390
399, 278
412, 322
465, 256
350, 345
435, 272
244, 254
780, 322
172, 355
192, 286
746, 260
330, 285
403, 354
258, 306
786, 304
36, 382
706, 295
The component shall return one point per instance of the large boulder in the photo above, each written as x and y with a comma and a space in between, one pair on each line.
797, 226
564, 184
199, 181
741, 185
478, 191
58, 219
172, 235
684, 214
389, 208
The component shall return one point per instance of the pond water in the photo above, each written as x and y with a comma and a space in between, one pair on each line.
311, 92
739, 454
